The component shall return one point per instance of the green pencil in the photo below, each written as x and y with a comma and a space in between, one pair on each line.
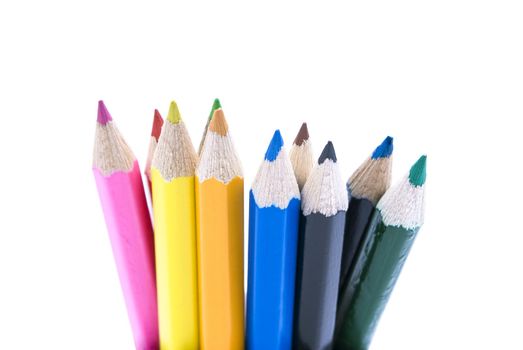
216, 105
378, 263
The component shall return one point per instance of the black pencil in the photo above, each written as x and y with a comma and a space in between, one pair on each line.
324, 203
366, 186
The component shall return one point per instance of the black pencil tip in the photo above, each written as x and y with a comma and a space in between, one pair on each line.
328, 153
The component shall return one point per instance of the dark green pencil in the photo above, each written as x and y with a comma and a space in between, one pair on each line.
378, 263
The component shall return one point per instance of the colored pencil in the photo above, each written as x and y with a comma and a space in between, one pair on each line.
391, 233
172, 175
219, 218
366, 186
216, 105
122, 196
153, 142
301, 155
324, 203
273, 239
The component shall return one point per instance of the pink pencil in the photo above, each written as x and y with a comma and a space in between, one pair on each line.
120, 187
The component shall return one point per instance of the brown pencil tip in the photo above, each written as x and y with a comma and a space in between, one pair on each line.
218, 123
157, 125
303, 135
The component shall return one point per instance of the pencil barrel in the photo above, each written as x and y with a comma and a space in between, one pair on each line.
219, 211
358, 217
317, 280
130, 232
176, 269
377, 268
273, 241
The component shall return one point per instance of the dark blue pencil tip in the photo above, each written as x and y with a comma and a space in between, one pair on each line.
328, 153
384, 150
274, 147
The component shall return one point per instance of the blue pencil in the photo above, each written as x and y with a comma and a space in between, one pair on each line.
274, 207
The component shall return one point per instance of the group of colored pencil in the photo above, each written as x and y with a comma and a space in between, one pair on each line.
323, 256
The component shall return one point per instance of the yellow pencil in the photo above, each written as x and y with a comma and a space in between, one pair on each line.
172, 177
219, 218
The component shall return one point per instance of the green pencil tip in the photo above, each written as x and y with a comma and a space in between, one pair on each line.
174, 114
418, 172
216, 105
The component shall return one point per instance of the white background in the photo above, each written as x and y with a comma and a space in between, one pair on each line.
443, 77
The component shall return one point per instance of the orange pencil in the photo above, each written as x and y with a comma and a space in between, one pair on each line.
219, 222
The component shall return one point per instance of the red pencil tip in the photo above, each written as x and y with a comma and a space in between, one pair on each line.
103, 114
157, 125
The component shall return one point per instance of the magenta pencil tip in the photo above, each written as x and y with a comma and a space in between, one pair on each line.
103, 114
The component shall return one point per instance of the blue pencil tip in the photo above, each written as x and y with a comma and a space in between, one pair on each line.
274, 147
384, 150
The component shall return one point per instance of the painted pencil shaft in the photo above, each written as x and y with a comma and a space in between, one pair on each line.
220, 263
175, 241
273, 241
359, 214
319, 256
377, 269
274, 203
130, 231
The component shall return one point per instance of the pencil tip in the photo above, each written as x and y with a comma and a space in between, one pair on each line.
384, 150
157, 125
418, 172
215, 105
303, 135
328, 153
218, 123
103, 114
174, 114
274, 147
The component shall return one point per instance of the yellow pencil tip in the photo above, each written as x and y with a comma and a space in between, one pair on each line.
174, 114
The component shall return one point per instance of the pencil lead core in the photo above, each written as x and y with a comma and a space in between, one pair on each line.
216, 105
418, 172
274, 147
328, 153
384, 150
174, 114
157, 125
218, 123
303, 135
103, 114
